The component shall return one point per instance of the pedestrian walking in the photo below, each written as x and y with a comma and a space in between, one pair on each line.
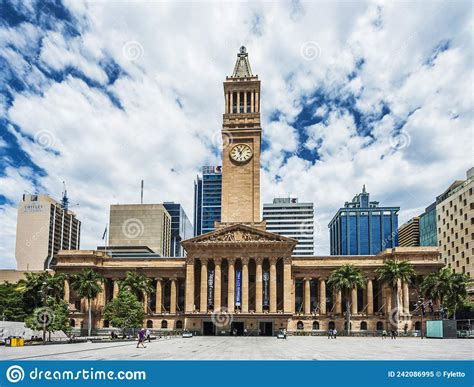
329, 333
384, 334
334, 334
148, 335
141, 338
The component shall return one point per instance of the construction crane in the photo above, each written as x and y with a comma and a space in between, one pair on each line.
65, 199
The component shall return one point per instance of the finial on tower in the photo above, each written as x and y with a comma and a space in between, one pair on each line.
363, 189
242, 66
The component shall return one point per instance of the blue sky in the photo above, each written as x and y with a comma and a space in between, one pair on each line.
104, 94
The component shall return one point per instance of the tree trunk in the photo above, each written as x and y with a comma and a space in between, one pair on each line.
398, 306
90, 318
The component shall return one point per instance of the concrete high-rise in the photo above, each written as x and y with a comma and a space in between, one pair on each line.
181, 228
141, 225
289, 218
44, 226
363, 227
455, 222
409, 233
207, 199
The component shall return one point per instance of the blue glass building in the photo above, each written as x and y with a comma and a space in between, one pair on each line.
207, 199
362, 227
428, 233
181, 228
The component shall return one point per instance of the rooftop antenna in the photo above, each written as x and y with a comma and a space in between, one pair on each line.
141, 195
65, 199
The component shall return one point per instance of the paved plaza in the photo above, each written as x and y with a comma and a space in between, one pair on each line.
253, 348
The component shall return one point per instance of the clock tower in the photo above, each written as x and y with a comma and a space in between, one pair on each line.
241, 136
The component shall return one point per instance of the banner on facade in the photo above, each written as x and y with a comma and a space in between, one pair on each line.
210, 288
266, 278
238, 287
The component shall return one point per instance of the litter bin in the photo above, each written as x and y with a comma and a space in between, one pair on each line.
21, 341
8, 342
14, 341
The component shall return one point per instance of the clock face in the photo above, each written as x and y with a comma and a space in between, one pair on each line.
241, 153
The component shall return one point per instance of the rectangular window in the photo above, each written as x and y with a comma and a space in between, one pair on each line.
364, 235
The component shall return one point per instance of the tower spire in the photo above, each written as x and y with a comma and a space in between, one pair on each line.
242, 67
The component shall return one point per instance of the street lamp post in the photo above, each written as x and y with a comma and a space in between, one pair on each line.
44, 312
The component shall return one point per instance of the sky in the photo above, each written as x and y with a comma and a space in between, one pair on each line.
104, 94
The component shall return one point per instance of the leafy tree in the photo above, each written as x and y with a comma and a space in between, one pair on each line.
449, 288
35, 287
393, 273
88, 284
125, 311
344, 279
11, 303
138, 284
52, 317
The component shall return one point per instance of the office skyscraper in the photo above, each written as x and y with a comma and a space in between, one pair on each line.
428, 234
287, 217
409, 233
207, 199
181, 228
362, 227
44, 227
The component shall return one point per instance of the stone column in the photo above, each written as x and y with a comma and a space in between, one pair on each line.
273, 285
307, 296
370, 297
388, 299
252, 107
158, 296
354, 301
288, 290
145, 303
245, 285
245, 102
116, 288
339, 302
231, 286
203, 306
227, 102
406, 298
258, 285
322, 296
238, 102
102, 295
231, 107
174, 296
189, 308
66, 291
217, 283
257, 108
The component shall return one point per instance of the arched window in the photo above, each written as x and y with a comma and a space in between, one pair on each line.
72, 323
149, 324
379, 325
299, 325
164, 324
315, 326
418, 326
179, 324
363, 326
106, 323
332, 325
345, 325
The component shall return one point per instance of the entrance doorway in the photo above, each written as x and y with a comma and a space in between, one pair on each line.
208, 328
239, 326
266, 328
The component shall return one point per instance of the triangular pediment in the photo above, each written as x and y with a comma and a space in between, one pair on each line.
238, 233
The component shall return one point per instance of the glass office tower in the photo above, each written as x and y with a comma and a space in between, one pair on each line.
207, 199
362, 227
428, 233
181, 228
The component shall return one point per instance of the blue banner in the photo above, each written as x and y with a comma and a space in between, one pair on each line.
221, 374
238, 287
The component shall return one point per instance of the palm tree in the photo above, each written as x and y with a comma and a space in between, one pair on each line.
344, 279
37, 287
88, 284
393, 273
138, 284
449, 288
